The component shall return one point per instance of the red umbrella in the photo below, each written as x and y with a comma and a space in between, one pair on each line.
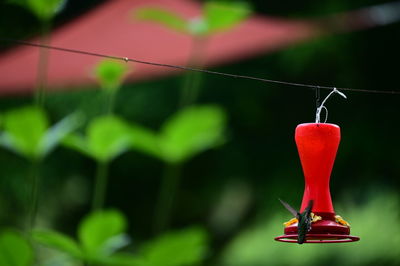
111, 29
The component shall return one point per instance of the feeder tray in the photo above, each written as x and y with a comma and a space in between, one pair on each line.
318, 238
317, 145
326, 230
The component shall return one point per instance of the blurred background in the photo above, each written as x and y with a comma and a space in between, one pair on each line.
226, 190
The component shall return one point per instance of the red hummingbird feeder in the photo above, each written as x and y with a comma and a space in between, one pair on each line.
317, 144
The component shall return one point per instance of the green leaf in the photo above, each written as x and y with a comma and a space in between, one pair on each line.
198, 27
187, 247
46, 9
220, 16
15, 250
58, 132
110, 74
191, 131
58, 241
42, 9
58, 258
121, 259
96, 230
108, 137
24, 129
115, 243
145, 141
164, 17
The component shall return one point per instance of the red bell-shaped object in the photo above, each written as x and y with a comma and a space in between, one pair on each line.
317, 144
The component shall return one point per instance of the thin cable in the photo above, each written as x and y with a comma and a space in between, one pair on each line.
317, 97
126, 59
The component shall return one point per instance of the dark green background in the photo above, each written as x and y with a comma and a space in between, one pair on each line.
260, 155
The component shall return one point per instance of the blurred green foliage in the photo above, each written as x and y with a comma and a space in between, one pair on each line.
192, 131
185, 247
110, 74
216, 16
260, 156
15, 250
43, 9
220, 16
164, 17
24, 131
374, 223
185, 134
106, 138
58, 241
102, 234
27, 132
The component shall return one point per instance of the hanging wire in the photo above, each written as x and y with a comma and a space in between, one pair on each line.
317, 96
126, 59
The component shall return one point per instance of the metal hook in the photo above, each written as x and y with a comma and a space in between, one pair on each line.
319, 109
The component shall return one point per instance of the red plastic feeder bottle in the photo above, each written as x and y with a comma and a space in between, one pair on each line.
317, 144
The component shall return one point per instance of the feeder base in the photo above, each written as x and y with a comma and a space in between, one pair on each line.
323, 231
319, 238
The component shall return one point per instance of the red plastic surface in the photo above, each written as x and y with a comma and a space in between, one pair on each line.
317, 145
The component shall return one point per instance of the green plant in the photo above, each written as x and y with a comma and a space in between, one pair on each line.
106, 138
191, 131
184, 135
216, 16
110, 75
100, 235
179, 248
15, 250
27, 132
45, 11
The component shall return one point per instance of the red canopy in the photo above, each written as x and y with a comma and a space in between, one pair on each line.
111, 29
